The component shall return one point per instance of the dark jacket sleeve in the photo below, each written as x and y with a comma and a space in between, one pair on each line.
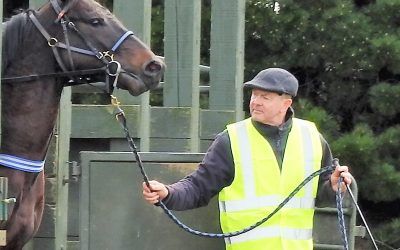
325, 194
215, 172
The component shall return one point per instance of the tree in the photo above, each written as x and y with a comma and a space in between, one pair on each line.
346, 56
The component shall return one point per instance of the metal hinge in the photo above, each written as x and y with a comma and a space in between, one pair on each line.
359, 231
74, 172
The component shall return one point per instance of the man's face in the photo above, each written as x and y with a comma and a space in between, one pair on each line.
269, 107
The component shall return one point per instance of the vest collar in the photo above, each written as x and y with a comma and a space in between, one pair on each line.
270, 131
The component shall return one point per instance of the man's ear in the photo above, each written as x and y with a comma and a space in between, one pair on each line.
287, 103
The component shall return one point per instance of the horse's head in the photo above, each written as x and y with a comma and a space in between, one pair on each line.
93, 28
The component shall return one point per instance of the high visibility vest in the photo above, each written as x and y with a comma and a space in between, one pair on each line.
259, 186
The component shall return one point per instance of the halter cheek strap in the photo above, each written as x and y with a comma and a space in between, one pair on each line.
21, 164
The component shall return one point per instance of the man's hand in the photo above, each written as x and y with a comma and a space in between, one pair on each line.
342, 171
157, 192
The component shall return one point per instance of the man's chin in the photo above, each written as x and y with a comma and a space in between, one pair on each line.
256, 118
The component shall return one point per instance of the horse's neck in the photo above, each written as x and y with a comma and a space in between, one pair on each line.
29, 109
29, 112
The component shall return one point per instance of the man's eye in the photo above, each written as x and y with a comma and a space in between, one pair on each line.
265, 97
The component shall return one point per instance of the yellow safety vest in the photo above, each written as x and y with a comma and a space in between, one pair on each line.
259, 186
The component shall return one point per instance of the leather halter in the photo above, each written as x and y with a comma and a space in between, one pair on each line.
112, 68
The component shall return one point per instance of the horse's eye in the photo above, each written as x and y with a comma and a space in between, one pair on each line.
96, 21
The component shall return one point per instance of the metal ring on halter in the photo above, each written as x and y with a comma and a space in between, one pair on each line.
117, 70
52, 42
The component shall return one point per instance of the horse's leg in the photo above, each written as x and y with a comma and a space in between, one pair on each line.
39, 205
26, 214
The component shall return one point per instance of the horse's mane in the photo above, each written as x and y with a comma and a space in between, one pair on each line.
13, 30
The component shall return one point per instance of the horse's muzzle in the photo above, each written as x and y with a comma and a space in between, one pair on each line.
149, 77
154, 68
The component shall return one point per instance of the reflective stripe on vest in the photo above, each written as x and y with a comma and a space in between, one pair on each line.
259, 185
263, 232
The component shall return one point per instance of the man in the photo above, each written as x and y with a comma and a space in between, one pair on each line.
254, 164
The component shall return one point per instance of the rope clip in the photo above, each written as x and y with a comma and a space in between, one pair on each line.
115, 103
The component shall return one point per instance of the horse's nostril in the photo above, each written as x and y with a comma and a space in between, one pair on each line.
153, 68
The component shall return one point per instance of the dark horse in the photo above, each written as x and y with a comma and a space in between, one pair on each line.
43, 51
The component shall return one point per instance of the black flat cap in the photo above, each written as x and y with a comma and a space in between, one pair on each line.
275, 80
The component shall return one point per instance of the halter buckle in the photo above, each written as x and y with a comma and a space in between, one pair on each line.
109, 56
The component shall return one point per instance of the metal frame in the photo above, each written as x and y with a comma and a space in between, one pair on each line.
111, 158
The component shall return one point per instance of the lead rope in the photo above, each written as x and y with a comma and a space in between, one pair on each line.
342, 225
339, 205
120, 116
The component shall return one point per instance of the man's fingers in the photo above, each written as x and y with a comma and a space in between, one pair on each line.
346, 177
152, 198
145, 188
340, 169
154, 186
147, 194
155, 192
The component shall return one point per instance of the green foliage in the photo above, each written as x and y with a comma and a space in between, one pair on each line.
363, 153
157, 27
106, 3
357, 149
388, 144
309, 36
387, 49
382, 96
389, 233
325, 123
380, 182
385, 37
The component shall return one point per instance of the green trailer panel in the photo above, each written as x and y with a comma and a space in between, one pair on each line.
113, 214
